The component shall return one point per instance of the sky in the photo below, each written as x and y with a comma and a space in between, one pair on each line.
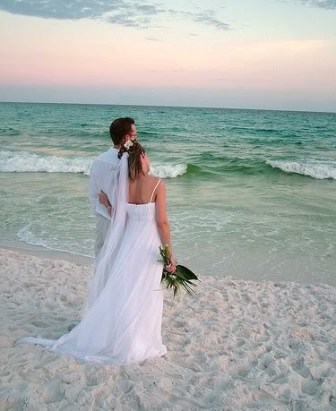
265, 54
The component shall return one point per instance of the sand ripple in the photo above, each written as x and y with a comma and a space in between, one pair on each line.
237, 345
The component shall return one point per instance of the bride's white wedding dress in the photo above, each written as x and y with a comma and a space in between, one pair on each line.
122, 324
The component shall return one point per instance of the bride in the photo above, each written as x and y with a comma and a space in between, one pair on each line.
122, 324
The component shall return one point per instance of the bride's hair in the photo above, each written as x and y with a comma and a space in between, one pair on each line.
134, 160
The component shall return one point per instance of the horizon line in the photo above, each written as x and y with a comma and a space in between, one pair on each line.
171, 106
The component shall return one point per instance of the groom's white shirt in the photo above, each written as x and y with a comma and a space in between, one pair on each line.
101, 174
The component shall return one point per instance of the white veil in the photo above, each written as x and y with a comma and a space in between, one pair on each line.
107, 255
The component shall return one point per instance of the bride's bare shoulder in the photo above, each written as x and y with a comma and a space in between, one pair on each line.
153, 180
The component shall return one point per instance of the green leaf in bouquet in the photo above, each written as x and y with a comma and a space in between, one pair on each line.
185, 272
171, 282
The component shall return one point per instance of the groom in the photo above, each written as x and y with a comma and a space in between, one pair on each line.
101, 174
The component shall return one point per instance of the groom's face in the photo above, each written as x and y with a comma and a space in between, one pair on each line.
133, 133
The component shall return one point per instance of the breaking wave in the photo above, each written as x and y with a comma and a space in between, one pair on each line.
315, 170
25, 162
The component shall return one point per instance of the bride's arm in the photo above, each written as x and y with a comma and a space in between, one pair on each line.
163, 223
103, 199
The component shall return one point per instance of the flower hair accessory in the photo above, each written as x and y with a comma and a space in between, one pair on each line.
128, 144
124, 148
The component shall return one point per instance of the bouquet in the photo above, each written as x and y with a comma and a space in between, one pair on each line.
180, 278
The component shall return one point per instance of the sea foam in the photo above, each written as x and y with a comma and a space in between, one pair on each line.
168, 170
311, 169
25, 162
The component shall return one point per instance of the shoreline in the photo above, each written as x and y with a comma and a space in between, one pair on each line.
82, 260
46, 253
237, 344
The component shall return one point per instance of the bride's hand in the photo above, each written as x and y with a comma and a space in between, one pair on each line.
171, 268
103, 199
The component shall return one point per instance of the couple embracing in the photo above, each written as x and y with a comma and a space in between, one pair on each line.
122, 323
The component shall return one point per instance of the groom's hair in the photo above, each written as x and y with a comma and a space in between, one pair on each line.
119, 128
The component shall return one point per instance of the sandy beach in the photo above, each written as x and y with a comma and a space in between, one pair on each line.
236, 345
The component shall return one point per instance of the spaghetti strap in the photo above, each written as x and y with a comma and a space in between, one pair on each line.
151, 197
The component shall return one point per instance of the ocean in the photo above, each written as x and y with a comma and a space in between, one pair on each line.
251, 193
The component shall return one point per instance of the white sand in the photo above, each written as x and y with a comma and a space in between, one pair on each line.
237, 345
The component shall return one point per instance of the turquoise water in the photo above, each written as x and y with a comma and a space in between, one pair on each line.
251, 193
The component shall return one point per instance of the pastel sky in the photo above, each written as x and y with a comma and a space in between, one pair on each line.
273, 54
